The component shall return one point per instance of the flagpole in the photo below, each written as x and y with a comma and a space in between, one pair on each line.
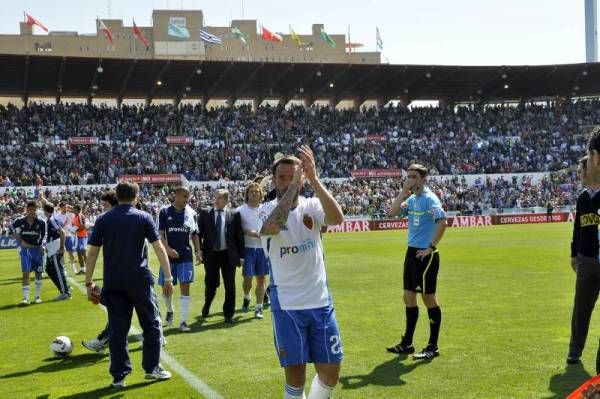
27, 36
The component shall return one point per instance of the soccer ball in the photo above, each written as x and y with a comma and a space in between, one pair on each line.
61, 346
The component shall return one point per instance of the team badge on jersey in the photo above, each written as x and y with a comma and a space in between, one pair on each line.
308, 221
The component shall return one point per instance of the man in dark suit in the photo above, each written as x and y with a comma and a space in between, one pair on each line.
222, 241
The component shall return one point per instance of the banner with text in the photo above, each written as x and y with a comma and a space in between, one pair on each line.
180, 140
376, 173
165, 178
349, 226
7, 242
83, 140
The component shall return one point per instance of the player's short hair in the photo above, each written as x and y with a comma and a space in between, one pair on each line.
61, 204
31, 204
594, 141
254, 185
224, 192
127, 191
583, 161
76, 208
110, 197
286, 159
180, 189
48, 207
420, 169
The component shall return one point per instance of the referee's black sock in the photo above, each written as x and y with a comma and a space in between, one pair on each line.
435, 321
412, 315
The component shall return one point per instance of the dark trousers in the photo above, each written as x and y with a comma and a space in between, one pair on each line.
56, 271
220, 262
119, 305
587, 287
104, 333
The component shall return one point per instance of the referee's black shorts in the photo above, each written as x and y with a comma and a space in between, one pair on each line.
420, 275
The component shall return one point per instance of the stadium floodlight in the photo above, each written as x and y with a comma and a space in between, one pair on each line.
100, 69
428, 75
319, 73
188, 88
506, 86
301, 90
198, 71
159, 82
405, 91
575, 87
331, 84
95, 87
504, 76
584, 72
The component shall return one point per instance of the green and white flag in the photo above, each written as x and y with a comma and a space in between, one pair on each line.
327, 39
238, 34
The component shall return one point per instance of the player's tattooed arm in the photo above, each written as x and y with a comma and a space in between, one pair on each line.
279, 215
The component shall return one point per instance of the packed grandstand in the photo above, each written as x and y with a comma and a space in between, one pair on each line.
506, 146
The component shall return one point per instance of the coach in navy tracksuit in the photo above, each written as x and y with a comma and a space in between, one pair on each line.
128, 282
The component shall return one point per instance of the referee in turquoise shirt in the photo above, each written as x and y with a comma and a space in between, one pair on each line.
426, 226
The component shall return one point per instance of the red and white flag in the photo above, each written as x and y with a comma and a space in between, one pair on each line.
270, 36
137, 32
29, 20
107, 32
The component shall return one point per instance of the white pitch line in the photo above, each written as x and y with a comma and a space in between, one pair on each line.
169, 360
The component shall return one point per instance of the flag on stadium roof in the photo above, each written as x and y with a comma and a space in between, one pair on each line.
238, 34
137, 32
179, 32
107, 32
378, 39
327, 39
209, 37
29, 20
296, 38
270, 36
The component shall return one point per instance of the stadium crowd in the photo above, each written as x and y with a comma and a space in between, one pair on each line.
237, 143
356, 197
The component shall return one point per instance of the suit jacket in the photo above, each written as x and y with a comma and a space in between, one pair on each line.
234, 235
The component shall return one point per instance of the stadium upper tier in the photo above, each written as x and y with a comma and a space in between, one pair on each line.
239, 144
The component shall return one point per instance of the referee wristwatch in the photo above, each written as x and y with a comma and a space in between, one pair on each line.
433, 247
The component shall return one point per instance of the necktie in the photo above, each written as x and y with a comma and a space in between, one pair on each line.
218, 243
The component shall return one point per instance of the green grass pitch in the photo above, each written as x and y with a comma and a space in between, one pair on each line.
506, 294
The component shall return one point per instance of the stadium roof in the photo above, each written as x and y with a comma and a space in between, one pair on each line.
49, 76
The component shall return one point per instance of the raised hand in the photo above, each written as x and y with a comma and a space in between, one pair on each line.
308, 163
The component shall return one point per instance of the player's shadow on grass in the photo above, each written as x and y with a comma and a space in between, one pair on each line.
565, 383
206, 325
386, 374
53, 364
9, 281
108, 392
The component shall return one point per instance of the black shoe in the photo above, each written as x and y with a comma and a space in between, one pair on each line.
246, 305
229, 320
401, 348
573, 359
429, 352
266, 301
205, 310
